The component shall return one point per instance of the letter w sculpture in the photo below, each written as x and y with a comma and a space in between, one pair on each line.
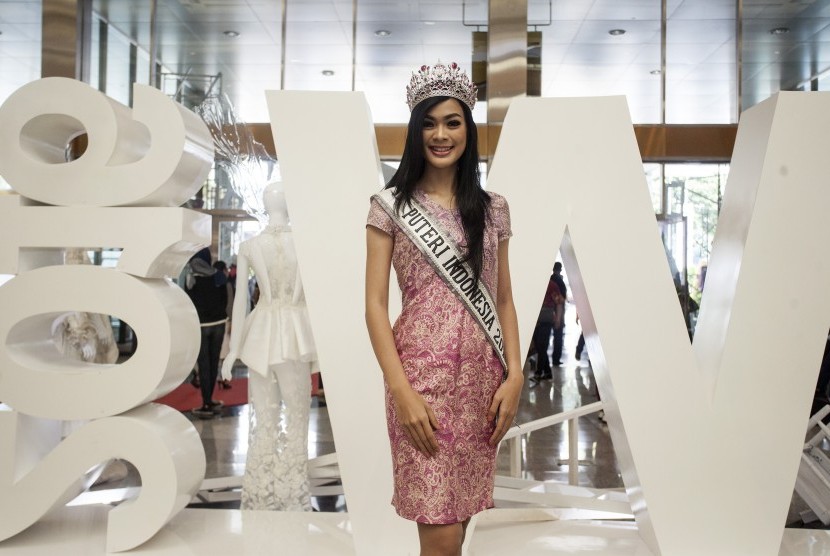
708, 435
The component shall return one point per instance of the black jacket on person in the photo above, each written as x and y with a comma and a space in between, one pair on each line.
210, 300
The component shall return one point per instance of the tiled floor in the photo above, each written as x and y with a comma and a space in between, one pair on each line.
81, 531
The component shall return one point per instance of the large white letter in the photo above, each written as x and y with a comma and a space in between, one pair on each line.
158, 154
328, 203
160, 442
708, 439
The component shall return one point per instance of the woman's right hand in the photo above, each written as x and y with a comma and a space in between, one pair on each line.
418, 420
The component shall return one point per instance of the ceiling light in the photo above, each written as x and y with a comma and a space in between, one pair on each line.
231, 33
655, 72
327, 73
616, 32
779, 30
429, 23
383, 33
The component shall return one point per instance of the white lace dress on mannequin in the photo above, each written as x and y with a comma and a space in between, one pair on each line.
278, 329
278, 347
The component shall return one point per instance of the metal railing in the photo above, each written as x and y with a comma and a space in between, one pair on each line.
513, 437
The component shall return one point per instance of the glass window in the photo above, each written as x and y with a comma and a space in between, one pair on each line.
98, 26
20, 45
703, 186
231, 234
654, 177
118, 83
142, 67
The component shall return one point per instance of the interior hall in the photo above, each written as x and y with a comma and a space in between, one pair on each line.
277, 475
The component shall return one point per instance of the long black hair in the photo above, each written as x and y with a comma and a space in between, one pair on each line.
471, 199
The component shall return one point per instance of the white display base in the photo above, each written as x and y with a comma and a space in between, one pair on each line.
81, 530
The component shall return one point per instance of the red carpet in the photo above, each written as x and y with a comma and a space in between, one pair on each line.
186, 397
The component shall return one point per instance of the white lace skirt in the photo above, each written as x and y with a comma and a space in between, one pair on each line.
276, 471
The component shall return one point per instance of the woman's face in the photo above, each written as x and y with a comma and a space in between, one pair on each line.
445, 134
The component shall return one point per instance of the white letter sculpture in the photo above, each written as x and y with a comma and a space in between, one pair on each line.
708, 437
328, 206
151, 160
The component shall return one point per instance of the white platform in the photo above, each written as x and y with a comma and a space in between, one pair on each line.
81, 530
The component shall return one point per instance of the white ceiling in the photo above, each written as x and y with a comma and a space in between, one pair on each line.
579, 57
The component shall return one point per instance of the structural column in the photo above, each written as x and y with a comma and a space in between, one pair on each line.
65, 38
506, 62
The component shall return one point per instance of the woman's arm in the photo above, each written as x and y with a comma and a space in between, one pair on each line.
240, 309
414, 414
506, 400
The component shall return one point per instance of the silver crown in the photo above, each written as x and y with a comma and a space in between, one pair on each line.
440, 81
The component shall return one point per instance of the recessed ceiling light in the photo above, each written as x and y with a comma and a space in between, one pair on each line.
779, 31
655, 72
327, 73
231, 33
429, 23
616, 32
383, 33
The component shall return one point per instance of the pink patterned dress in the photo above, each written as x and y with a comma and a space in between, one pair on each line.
449, 361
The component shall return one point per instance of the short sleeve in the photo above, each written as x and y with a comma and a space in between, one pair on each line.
379, 218
500, 211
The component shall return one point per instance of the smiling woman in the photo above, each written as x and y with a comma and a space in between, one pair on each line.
451, 367
445, 134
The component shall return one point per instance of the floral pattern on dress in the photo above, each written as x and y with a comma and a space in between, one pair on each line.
450, 362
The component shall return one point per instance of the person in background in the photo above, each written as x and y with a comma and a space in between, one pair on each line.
207, 287
559, 313
544, 326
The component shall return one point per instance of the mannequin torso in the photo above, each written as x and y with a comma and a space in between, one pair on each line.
278, 328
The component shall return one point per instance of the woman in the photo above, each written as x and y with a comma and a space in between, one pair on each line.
451, 363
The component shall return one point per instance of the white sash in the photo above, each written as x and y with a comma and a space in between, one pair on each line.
445, 258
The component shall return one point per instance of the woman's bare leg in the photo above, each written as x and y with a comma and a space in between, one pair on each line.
441, 540
464, 530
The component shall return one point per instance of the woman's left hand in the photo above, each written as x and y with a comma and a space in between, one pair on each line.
505, 406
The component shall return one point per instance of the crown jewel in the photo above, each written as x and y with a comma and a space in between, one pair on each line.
440, 81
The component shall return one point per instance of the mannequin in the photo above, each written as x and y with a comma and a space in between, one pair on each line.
84, 336
276, 344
